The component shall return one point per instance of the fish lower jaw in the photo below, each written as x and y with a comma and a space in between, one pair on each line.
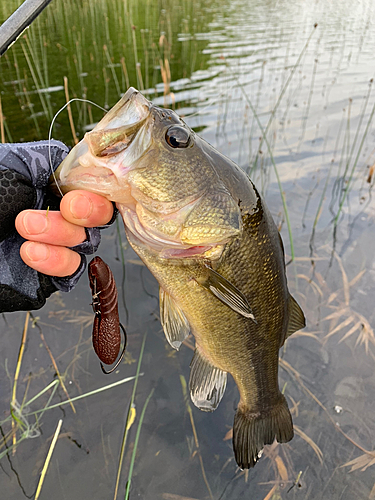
211, 253
168, 249
163, 251
186, 252
162, 245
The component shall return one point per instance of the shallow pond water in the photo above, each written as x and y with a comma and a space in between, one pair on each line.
233, 70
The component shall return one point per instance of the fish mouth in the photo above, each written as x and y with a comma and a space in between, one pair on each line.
101, 160
102, 163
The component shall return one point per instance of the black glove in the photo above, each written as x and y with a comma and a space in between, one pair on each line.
24, 175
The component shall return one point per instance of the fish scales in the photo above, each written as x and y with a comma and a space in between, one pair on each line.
203, 230
225, 335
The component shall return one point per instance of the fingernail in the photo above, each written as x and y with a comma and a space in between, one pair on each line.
37, 252
35, 223
81, 207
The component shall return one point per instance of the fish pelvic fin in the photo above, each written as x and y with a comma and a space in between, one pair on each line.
207, 382
252, 431
226, 293
175, 325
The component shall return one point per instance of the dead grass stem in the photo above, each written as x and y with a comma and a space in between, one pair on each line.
190, 412
72, 128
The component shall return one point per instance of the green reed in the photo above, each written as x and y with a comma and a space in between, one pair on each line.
112, 68
35, 80
281, 95
308, 105
356, 159
327, 180
131, 468
282, 194
68, 40
128, 425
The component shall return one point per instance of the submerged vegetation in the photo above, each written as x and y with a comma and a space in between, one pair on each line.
292, 105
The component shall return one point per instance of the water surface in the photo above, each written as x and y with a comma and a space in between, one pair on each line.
232, 70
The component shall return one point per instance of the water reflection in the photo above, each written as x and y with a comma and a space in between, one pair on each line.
226, 55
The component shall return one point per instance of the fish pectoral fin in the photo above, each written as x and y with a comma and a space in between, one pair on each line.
175, 325
226, 293
296, 317
207, 382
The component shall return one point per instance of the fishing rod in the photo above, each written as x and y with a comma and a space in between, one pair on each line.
21, 19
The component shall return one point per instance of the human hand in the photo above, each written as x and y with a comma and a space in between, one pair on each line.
25, 170
50, 234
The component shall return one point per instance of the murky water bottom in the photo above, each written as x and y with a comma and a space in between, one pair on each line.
321, 139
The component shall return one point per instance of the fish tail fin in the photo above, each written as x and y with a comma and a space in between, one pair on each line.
251, 431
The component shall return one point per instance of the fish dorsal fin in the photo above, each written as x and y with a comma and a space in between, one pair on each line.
207, 383
175, 325
227, 293
296, 317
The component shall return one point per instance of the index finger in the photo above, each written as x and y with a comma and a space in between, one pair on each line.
86, 209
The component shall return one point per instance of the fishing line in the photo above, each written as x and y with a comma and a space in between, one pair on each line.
50, 132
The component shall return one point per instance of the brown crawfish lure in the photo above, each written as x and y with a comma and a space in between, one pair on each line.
106, 335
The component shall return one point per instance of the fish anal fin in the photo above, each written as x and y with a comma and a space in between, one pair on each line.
252, 431
175, 325
207, 382
227, 293
297, 319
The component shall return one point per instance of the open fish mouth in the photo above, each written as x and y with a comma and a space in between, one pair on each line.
100, 162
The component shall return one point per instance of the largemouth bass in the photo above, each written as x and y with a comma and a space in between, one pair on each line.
202, 229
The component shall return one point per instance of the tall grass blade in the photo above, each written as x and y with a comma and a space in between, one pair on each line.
348, 185
42, 81
283, 92
190, 412
110, 65
48, 459
56, 367
17, 372
318, 452
35, 80
75, 139
282, 194
86, 395
129, 417
128, 484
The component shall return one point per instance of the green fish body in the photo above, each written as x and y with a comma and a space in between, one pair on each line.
202, 229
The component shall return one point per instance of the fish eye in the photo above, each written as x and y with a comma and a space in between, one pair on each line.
177, 137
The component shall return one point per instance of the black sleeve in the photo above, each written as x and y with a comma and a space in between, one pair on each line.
24, 174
